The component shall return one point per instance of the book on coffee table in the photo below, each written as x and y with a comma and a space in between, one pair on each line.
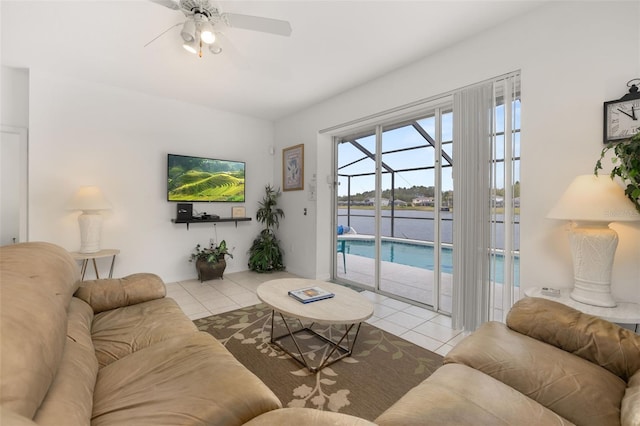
310, 294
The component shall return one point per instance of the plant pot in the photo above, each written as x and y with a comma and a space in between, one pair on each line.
209, 271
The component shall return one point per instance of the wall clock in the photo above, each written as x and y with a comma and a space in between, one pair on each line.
622, 116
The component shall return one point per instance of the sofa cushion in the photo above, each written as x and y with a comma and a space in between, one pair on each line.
51, 265
456, 394
80, 319
586, 336
69, 400
9, 417
107, 294
630, 408
120, 332
70, 397
578, 390
33, 323
306, 417
186, 380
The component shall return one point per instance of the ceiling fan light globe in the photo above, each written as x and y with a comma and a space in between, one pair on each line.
188, 31
190, 47
215, 49
206, 33
207, 37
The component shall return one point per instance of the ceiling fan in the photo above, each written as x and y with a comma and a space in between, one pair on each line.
204, 19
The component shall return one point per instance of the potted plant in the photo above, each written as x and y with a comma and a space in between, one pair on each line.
265, 254
210, 262
626, 161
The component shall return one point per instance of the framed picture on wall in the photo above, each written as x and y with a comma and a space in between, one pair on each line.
293, 168
238, 212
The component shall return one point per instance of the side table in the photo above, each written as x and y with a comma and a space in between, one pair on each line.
85, 257
624, 313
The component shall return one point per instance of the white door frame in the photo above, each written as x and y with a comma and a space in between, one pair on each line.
23, 178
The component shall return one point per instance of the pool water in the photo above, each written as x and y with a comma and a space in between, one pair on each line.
420, 256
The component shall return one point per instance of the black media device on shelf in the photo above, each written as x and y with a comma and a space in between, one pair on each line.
184, 211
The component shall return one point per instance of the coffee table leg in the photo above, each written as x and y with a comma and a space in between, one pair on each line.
336, 346
274, 340
352, 344
300, 358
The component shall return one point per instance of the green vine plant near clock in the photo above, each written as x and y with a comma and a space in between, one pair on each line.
626, 165
622, 135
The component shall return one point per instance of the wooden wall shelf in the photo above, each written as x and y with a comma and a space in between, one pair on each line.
209, 220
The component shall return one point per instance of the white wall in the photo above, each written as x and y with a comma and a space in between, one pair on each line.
14, 97
573, 56
87, 134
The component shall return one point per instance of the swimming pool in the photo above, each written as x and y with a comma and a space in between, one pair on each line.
420, 255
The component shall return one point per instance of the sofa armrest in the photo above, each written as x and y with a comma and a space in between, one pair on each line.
112, 293
630, 406
589, 337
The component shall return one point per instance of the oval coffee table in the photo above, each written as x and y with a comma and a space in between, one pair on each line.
347, 307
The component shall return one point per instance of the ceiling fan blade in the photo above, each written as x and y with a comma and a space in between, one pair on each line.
171, 4
256, 23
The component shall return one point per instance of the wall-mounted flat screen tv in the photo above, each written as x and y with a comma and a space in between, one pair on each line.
199, 179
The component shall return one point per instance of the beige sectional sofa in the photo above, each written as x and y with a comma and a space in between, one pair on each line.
548, 365
117, 351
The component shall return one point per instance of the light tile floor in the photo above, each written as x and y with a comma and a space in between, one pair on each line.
420, 326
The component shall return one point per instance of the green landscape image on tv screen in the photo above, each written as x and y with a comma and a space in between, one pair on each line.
198, 179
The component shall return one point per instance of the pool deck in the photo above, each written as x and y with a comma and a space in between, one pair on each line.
409, 283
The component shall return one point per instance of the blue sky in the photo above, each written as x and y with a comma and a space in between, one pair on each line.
405, 137
402, 137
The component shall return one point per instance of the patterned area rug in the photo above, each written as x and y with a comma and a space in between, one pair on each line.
383, 367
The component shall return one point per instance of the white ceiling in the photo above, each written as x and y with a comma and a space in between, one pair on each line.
335, 45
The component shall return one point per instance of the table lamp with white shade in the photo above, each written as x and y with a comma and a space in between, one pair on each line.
592, 202
91, 201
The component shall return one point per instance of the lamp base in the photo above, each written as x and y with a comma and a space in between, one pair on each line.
593, 247
90, 230
590, 297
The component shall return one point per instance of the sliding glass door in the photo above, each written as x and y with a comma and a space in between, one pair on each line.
404, 230
356, 219
393, 216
